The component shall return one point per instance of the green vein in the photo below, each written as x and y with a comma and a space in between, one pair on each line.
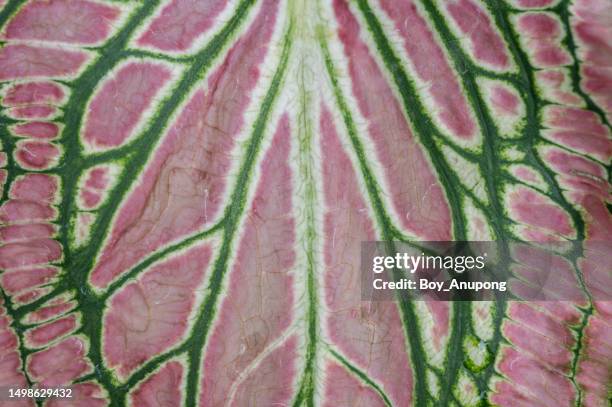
306, 390
361, 375
410, 320
155, 257
568, 41
418, 118
489, 164
9, 9
18, 330
532, 100
79, 262
146, 142
233, 217
415, 111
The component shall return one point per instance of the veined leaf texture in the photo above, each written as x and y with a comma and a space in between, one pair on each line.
186, 184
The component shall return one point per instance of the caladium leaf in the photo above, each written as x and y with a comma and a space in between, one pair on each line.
186, 186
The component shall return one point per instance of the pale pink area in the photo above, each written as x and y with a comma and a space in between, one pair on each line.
535, 209
546, 350
576, 119
545, 55
33, 93
525, 173
11, 374
553, 326
271, 382
597, 146
35, 187
593, 373
90, 199
552, 77
344, 389
478, 225
180, 23
579, 129
3, 159
41, 130
549, 387
121, 102
597, 261
440, 312
564, 311
24, 61
539, 25
257, 307
89, 394
17, 210
152, 314
532, 234
415, 192
596, 270
59, 364
507, 394
543, 34
19, 280
42, 335
604, 308
548, 272
97, 181
369, 334
36, 154
162, 388
71, 21
83, 225
475, 22
553, 83
183, 187
424, 52
546, 284
592, 26
585, 184
52, 309
97, 177
31, 112
581, 174
597, 81
30, 296
505, 100
13, 233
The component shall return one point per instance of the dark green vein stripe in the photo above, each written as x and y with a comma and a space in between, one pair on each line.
361, 375
9, 9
